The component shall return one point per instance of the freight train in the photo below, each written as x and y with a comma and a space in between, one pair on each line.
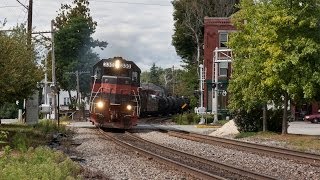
117, 100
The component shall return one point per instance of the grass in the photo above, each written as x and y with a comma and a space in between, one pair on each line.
297, 142
24, 154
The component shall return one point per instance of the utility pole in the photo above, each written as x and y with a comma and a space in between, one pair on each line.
173, 80
77, 73
29, 21
31, 104
54, 81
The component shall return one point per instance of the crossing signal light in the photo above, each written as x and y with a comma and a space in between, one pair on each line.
221, 85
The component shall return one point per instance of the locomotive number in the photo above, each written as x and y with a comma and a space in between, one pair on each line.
112, 64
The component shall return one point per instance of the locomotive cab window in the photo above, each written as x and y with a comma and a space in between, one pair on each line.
97, 73
134, 76
116, 72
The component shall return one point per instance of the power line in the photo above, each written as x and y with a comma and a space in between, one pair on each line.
133, 3
22, 4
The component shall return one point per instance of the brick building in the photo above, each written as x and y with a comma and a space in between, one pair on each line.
216, 30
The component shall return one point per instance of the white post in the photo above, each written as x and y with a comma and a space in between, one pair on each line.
215, 78
201, 85
201, 109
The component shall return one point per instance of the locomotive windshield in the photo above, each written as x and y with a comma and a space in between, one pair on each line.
117, 68
116, 72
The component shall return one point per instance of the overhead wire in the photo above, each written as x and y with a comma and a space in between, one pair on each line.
133, 3
25, 13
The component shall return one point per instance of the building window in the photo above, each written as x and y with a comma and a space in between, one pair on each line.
50, 101
223, 69
66, 101
223, 40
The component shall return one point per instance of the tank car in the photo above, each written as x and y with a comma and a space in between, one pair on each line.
154, 102
114, 95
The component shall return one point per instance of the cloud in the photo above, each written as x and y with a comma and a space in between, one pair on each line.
137, 32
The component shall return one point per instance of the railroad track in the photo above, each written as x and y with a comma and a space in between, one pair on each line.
194, 165
156, 120
310, 158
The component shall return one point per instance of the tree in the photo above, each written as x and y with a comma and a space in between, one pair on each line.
155, 74
73, 44
278, 46
19, 71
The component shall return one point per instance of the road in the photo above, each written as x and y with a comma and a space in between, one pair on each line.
303, 127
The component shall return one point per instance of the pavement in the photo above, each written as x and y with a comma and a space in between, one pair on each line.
9, 121
304, 128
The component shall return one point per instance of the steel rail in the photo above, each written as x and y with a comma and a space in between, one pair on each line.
194, 172
206, 162
251, 147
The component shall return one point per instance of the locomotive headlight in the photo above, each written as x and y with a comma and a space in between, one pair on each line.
129, 107
117, 64
100, 104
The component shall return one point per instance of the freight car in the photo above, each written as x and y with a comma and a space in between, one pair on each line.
117, 100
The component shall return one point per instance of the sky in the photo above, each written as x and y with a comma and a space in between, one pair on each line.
138, 30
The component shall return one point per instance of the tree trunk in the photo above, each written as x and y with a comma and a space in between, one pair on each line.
264, 116
284, 118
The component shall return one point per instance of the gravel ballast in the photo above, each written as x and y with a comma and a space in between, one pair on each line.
104, 157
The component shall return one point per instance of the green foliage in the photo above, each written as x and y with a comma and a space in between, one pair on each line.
39, 163
8, 111
3, 136
173, 80
20, 142
50, 126
7, 150
278, 46
186, 118
155, 74
73, 44
248, 121
18, 67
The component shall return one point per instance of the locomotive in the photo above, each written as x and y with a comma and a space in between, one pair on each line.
117, 100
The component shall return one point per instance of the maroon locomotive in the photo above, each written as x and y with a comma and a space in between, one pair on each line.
117, 100
114, 95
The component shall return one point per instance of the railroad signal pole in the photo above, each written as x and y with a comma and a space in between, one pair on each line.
220, 55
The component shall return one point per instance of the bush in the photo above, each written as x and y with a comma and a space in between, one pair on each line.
50, 126
248, 121
252, 121
8, 110
186, 118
